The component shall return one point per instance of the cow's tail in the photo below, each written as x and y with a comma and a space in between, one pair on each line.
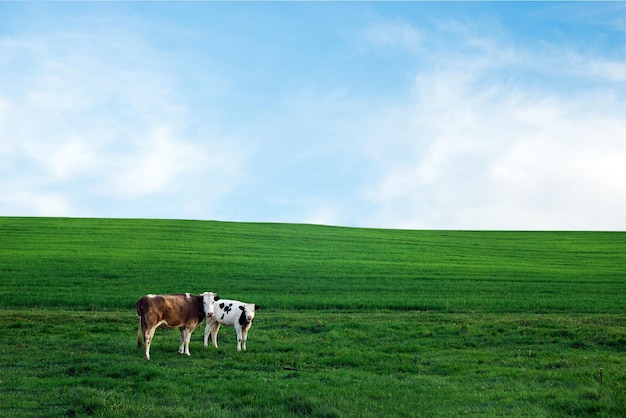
139, 334
139, 329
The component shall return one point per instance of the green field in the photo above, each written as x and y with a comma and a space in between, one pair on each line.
354, 322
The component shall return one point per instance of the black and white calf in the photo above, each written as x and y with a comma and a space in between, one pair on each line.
231, 313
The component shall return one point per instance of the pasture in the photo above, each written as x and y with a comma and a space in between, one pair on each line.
354, 322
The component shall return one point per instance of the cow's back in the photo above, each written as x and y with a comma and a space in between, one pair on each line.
171, 310
186, 307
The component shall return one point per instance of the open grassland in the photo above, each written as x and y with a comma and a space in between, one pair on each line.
354, 322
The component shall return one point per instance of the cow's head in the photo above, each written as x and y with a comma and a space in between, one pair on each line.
208, 301
247, 313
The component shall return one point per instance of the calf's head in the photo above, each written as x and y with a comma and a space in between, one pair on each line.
247, 313
208, 300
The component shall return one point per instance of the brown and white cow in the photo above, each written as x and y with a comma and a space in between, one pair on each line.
231, 313
182, 311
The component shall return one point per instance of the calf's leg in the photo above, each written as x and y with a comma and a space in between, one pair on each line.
239, 337
244, 338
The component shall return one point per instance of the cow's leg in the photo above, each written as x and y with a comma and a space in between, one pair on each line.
207, 332
187, 340
214, 330
181, 348
149, 333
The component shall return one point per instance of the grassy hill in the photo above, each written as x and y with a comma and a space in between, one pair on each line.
108, 264
354, 322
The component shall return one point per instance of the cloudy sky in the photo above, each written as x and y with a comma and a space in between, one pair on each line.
374, 114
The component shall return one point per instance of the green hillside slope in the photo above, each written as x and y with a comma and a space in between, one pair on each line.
109, 263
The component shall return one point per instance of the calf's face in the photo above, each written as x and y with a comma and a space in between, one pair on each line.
208, 300
247, 313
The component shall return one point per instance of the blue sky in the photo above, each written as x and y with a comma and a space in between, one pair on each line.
371, 114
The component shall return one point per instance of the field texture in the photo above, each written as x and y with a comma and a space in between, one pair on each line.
354, 322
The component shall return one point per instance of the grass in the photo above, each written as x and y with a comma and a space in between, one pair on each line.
338, 364
354, 322
108, 264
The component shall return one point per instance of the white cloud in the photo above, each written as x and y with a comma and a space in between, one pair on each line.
612, 71
393, 34
480, 155
97, 117
14, 200
165, 163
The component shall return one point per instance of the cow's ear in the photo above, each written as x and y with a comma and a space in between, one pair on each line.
242, 308
216, 298
257, 307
